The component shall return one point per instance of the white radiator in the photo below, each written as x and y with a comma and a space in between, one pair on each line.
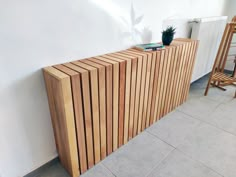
209, 31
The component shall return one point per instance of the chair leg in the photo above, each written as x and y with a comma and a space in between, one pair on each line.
207, 88
218, 86
235, 94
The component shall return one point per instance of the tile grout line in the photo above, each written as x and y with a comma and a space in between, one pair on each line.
176, 148
159, 138
208, 123
108, 169
148, 173
154, 166
199, 162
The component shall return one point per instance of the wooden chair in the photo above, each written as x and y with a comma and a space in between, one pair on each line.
218, 76
233, 19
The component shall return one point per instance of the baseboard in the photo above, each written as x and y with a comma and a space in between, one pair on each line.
43, 168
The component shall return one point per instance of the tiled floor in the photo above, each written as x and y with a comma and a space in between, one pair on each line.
198, 139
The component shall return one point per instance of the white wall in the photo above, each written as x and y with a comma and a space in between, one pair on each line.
230, 9
34, 34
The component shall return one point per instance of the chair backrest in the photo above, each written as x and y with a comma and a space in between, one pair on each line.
233, 19
223, 50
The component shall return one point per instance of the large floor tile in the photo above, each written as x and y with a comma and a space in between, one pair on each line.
138, 157
198, 108
213, 147
232, 103
174, 127
98, 171
223, 117
179, 165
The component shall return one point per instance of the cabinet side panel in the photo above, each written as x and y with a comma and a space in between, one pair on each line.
61, 108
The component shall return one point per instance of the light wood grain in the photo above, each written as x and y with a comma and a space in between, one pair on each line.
139, 86
102, 103
59, 88
129, 134
115, 66
87, 111
93, 73
79, 117
125, 124
155, 85
109, 101
157, 109
122, 86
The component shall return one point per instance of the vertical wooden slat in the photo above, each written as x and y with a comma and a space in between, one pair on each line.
164, 83
129, 95
59, 86
193, 56
145, 79
186, 65
123, 64
155, 89
102, 103
109, 101
116, 74
170, 71
178, 76
151, 86
187, 73
181, 70
135, 73
184, 70
129, 62
175, 81
93, 74
87, 111
140, 85
146, 92
157, 109
79, 117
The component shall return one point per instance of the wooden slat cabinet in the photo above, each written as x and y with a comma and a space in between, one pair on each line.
98, 104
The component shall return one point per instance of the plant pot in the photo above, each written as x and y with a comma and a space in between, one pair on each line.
166, 40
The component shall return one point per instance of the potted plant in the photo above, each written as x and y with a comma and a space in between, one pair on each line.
168, 35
